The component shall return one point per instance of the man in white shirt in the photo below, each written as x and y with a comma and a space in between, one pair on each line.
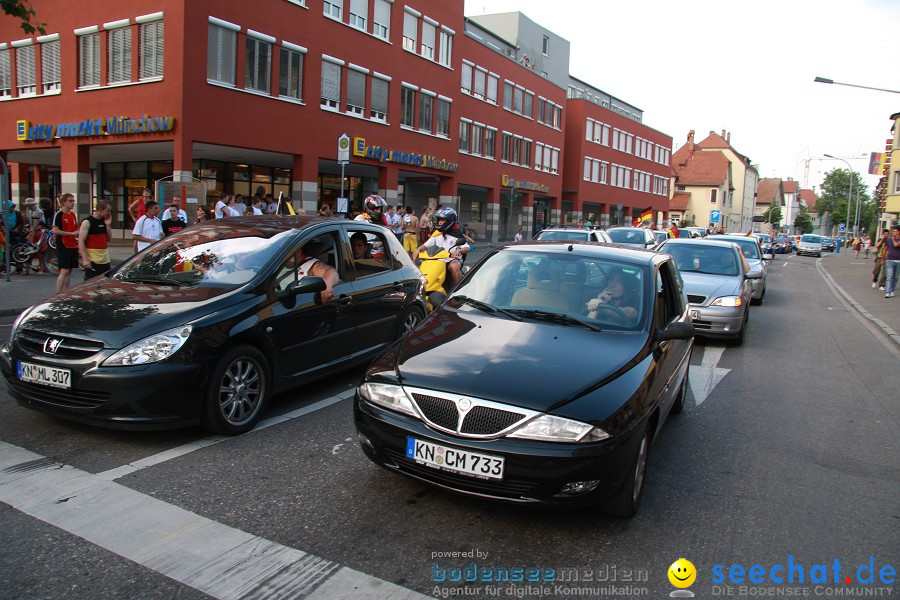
271, 205
222, 206
148, 228
239, 205
181, 214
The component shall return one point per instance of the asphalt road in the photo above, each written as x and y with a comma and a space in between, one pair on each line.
786, 453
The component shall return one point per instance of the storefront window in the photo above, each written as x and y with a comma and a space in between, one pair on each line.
475, 212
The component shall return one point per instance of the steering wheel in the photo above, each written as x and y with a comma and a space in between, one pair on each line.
613, 309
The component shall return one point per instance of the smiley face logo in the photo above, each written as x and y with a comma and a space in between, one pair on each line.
682, 573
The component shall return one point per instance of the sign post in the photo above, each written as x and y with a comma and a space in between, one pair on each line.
343, 160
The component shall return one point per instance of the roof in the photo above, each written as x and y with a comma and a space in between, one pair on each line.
714, 141
767, 188
680, 201
700, 168
791, 186
809, 198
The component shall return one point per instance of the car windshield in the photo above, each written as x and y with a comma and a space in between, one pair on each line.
749, 246
544, 285
764, 238
574, 235
626, 236
206, 255
699, 258
813, 239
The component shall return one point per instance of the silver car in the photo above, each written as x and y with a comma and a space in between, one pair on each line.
718, 283
810, 244
751, 248
572, 234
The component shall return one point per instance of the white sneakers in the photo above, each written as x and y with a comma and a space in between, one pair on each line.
873, 285
889, 295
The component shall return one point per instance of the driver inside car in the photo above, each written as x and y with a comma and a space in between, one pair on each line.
620, 293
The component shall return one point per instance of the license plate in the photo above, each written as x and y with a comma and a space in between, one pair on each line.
695, 314
473, 464
45, 375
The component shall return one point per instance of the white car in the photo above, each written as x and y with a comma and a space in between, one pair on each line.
571, 234
810, 244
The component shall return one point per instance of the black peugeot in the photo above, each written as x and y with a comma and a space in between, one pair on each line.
544, 378
205, 325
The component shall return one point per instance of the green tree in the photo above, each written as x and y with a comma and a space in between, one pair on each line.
833, 198
22, 10
803, 222
773, 214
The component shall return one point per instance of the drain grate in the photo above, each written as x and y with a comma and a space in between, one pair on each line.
32, 465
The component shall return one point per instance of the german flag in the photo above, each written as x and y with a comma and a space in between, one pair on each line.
284, 206
646, 216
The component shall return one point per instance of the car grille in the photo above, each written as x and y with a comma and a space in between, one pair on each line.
702, 325
70, 398
480, 418
508, 488
695, 299
71, 348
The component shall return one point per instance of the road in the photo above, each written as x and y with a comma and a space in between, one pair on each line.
787, 453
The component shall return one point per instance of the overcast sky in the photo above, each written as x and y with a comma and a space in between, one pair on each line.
746, 67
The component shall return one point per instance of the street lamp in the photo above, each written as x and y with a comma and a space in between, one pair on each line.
850, 191
833, 82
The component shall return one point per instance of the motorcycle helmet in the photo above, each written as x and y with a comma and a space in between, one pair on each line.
374, 205
449, 218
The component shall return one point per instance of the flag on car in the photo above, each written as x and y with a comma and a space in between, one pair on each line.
284, 206
645, 217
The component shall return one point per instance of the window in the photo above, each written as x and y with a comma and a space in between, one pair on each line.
477, 138
446, 50
5, 75
290, 80
426, 105
464, 127
443, 117
356, 92
896, 181
507, 95
331, 84
546, 46
480, 77
713, 196
258, 69
379, 99
410, 31
221, 53
25, 74
466, 83
119, 55
375, 244
518, 99
428, 31
152, 43
490, 143
89, 60
506, 146
359, 12
381, 26
493, 81
333, 8
49, 66
407, 107
529, 104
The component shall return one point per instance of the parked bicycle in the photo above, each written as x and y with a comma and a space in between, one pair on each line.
37, 255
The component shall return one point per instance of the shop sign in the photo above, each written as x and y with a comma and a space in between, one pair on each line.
507, 181
103, 126
406, 158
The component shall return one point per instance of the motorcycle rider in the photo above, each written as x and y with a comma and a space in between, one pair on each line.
446, 236
374, 207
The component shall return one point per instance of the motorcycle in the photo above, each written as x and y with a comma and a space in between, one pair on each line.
434, 268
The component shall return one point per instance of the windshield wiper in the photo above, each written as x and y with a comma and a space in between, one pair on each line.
155, 280
488, 308
545, 315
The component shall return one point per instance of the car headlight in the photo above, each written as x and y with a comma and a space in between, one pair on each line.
388, 396
151, 349
548, 428
731, 301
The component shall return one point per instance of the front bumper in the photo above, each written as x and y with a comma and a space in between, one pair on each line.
807, 251
718, 321
534, 472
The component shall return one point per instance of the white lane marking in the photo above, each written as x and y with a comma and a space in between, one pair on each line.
216, 559
706, 376
155, 459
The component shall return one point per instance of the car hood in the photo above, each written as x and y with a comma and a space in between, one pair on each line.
121, 312
710, 286
531, 364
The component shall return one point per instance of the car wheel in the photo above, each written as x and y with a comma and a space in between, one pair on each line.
238, 392
739, 338
412, 316
628, 500
678, 406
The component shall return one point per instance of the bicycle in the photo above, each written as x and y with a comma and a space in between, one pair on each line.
26, 256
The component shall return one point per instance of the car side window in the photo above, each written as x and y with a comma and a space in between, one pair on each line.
371, 253
322, 247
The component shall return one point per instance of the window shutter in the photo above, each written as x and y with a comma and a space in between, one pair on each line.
152, 44
356, 88
410, 30
359, 11
50, 65
119, 55
331, 81
5, 82
382, 19
89, 60
427, 40
291, 73
379, 95
25, 69
221, 52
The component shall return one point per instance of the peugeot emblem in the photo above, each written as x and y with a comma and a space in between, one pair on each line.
52, 345
464, 404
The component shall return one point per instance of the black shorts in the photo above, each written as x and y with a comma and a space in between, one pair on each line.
68, 257
96, 269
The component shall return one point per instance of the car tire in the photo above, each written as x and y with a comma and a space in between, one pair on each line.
238, 391
678, 405
412, 316
627, 500
739, 338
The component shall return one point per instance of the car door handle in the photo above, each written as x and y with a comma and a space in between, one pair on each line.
398, 285
344, 299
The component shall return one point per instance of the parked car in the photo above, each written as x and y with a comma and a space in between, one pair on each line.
573, 234
513, 391
640, 237
718, 283
205, 325
810, 244
828, 244
751, 248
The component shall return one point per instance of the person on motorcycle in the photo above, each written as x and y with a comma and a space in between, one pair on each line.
446, 237
374, 207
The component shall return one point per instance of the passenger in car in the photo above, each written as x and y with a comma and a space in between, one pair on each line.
621, 292
310, 265
360, 245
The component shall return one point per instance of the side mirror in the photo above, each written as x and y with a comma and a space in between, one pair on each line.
768, 256
305, 285
677, 330
753, 275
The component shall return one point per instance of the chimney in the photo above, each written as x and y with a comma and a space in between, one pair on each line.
690, 139
728, 138
723, 133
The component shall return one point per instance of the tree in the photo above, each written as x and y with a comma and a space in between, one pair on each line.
803, 222
21, 9
773, 214
833, 198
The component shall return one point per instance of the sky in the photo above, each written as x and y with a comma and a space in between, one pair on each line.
745, 67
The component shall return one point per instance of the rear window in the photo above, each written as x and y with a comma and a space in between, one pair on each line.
814, 239
563, 235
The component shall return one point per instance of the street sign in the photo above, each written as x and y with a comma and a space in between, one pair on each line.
714, 216
344, 149
842, 228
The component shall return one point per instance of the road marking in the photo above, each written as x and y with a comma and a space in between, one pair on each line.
149, 461
216, 559
706, 376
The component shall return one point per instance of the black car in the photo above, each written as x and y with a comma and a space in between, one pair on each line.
828, 244
525, 387
205, 325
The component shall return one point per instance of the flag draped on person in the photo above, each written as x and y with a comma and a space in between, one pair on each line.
284, 206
